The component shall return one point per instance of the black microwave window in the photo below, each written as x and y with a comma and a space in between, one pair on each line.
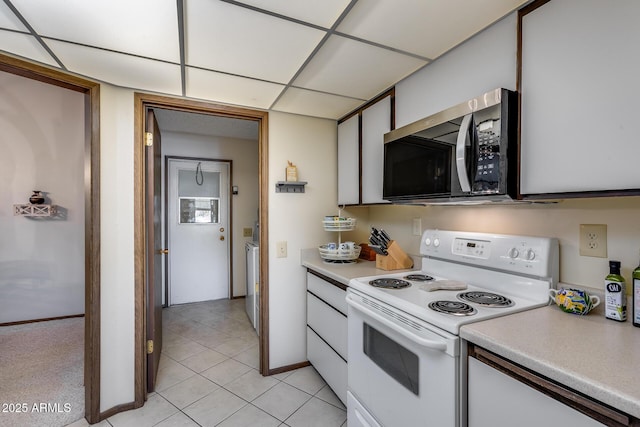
416, 166
400, 363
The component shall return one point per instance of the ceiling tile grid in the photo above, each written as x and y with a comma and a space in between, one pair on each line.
25, 46
119, 69
307, 57
235, 40
209, 85
347, 67
146, 28
316, 104
322, 13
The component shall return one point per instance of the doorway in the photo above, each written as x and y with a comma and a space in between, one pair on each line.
91, 160
198, 222
142, 103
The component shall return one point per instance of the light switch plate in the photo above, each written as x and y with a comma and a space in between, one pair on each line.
593, 240
417, 226
281, 249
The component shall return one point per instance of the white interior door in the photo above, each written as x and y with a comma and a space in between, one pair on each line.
198, 216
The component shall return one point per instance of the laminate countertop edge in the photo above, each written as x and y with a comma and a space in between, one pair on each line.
590, 354
343, 273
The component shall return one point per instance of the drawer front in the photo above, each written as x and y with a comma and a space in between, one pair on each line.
328, 292
328, 364
330, 324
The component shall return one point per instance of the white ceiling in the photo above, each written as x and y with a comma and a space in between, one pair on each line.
318, 58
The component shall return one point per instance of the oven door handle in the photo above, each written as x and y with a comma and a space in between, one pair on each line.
461, 144
435, 345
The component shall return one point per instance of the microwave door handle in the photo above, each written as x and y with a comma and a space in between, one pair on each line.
461, 143
435, 345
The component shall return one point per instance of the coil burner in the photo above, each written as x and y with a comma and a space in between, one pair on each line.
457, 308
389, 283
418, 277
487, 299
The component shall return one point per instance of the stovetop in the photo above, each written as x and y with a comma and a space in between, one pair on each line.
501, 265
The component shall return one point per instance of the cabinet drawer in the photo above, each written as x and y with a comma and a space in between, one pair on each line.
328, 323
328, 292
328, 364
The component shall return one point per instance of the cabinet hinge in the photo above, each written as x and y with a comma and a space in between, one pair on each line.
149, 346
148, 139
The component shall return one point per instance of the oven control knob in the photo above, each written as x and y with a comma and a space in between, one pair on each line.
427, 241
513, 253
436, 242
530, 255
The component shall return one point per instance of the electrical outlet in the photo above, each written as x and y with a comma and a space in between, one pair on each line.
281, 249
247, 232
417, 226
593, 240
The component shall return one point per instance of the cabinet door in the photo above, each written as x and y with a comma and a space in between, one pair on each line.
578, 115
496, 400
376, 121
348, 156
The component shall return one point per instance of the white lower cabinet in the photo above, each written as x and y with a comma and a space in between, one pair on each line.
496, 400
327, 333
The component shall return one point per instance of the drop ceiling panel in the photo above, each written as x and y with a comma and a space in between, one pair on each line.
323, 13
315, 104
143, 27
235, 40
9, 20
119, 69
433, 26
203, 84
25, 46
347, 67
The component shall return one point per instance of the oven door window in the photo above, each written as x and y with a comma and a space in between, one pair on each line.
398, 362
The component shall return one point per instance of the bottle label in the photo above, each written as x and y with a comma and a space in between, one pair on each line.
615, 300
636, 301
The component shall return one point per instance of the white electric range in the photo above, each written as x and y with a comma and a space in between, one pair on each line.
406, 364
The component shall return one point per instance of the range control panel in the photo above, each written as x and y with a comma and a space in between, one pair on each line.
472, 248
535, 256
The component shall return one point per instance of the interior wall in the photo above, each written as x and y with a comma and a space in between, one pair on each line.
41, 148
296, 218
561, 220
244, 154
117, 290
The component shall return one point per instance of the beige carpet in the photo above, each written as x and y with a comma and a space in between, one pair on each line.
41, 373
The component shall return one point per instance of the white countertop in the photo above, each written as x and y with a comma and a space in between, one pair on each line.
342, 273
590, 354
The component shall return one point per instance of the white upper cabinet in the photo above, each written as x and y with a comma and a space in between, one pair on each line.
579, 92
348, 156
376, 121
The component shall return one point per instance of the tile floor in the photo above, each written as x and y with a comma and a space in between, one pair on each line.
208, 376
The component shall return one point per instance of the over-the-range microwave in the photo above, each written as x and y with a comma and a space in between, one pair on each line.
465, 154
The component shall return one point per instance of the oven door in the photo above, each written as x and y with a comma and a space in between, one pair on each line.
401, 371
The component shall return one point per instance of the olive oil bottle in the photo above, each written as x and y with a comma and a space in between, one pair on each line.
615, 294
635, 296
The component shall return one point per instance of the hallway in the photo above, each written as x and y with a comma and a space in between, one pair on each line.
209, 376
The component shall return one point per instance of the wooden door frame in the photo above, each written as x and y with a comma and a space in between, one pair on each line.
91, 91
167, 159
141, 102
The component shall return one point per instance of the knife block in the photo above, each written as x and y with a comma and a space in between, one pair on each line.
396, 260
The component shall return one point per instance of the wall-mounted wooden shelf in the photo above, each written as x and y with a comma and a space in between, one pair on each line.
290, 186
34, 210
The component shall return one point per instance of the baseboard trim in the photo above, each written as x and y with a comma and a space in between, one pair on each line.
46, 319
288, 368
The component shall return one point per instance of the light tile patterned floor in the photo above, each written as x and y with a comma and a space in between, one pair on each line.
208, 376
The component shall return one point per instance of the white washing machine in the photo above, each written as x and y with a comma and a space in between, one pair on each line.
252, 299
